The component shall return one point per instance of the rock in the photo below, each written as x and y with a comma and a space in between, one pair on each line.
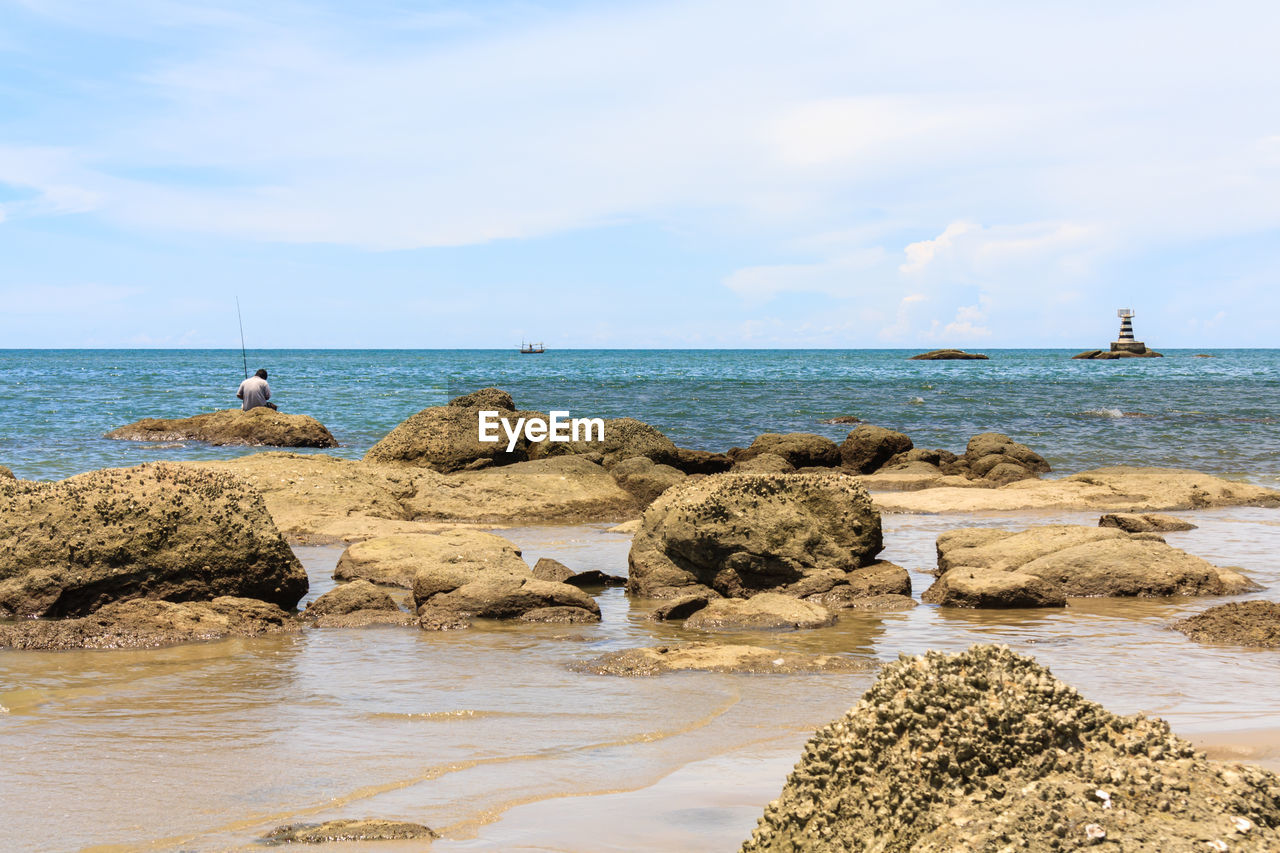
494, 399
765, 463
1119, 488
560, 615
157, 531
547, 569
348, 830
624, 438
701, 461
888, 602
348, 598
766, 611
260, 426
993, 588
645, 479
986, 750
447, 439
626, 528
868, 448
594, 579
438, 619
714, 657
679, 609
739, 534
842, 419
1240, 623
799, 449
1106, 355
1073, 561
6, 474
396, 560
840, 591
488, 583
948, 355
1144, 523
998, 458
145, 623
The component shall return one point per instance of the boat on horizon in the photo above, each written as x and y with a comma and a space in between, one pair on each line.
531, 348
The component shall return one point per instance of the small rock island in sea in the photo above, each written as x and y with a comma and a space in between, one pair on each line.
1125, 346
258, 427
948, 355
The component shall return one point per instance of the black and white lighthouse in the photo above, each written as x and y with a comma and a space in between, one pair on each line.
1126, 343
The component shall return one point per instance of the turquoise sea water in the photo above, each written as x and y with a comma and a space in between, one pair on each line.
1218, 414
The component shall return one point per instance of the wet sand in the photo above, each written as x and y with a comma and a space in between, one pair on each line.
488, 737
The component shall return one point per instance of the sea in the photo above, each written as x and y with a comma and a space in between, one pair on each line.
1217, 414
494, 736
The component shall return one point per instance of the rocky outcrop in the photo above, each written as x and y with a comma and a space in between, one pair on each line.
396, 560
547, 569
259, 427
714, 657
702, 461
1043, 565
799, 449
356, 605
447, 438
986, 750
624, 438
948, 355
867, 448
1150, 522
765, 463
141, 623
644, 478
680, 609
494, 399
842, 419
487, 579
6, 474
741, 534
1119, 488
766, 611
1240, 623
334, 831
1110, 355
156, 531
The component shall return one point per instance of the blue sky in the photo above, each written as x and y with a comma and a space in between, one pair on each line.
700, 174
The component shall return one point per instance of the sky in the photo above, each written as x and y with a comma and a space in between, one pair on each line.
638, 174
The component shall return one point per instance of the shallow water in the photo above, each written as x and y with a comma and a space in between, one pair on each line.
488, 736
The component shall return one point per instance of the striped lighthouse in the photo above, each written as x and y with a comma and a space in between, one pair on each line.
1126, 343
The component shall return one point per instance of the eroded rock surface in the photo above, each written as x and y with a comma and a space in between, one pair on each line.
986, 750
740, 534
644, 478
624, 438
948, 355
160, 531
867, 448
447, 438
799, 449
349, 830
146, 623
1239, 623
766, 611
356, 605
1145, 522
714, 657
259, 427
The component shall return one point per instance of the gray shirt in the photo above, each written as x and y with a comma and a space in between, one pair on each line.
255, 392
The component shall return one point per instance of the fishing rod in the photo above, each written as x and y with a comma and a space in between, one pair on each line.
243, 356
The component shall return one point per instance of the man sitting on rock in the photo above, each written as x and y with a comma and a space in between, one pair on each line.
255, 392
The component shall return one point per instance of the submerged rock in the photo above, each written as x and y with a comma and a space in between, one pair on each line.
1039, 567
1144, 523
143, 623
767, 611
1240, 623
158, 531
257, 427
986, 750
740, 534
349, 830
948, 355
714, 657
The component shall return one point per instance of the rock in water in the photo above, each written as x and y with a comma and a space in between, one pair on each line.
766, 611
6, 474
986, 750
1240, 623
158, 531
799, 449
948, 355
447, 438
644, 478
260, 427
1150, 522
714, 657
624, 438
739, 534
349, 598
867, 448
349, 830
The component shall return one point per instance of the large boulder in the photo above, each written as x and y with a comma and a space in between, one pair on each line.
1056, 561
645, 479
259, 427
986, 750
998, 458
1239, 623
800, 449
867, 448
447, 438
702, 461
624, 438
158, 531
766, 611
740, 534
6, 474
142, 623
488, 582
350, 598
494, 399
395, 560
948, 355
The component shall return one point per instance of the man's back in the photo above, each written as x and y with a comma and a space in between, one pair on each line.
255, 392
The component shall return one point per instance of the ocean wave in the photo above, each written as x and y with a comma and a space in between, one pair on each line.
1113, 413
